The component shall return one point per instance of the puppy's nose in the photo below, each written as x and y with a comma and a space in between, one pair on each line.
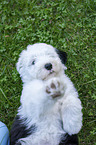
48, 66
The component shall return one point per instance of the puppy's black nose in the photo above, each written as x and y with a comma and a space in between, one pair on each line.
48, 66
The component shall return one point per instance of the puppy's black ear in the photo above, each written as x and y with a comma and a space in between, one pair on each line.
62, 55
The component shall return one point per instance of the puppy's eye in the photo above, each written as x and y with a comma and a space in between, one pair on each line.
33, 62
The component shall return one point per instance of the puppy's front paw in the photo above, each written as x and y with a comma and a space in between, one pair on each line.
55, 88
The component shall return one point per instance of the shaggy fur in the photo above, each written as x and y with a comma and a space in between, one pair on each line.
50, 111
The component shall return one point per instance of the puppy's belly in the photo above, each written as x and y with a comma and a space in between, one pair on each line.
43, 139
48, 134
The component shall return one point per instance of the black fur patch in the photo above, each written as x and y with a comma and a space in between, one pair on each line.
19, 130
62, 56
70, 140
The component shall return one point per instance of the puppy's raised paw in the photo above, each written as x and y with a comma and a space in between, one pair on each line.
55, 88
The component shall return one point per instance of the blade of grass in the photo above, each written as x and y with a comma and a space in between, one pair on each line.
5, 97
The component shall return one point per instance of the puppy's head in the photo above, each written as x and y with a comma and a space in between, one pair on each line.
40, 61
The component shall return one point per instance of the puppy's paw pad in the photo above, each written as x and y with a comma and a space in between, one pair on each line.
51, 88
54, 88
48, 90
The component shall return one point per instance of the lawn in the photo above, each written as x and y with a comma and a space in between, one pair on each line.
68, 25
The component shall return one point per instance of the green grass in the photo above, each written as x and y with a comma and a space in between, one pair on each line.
67, 25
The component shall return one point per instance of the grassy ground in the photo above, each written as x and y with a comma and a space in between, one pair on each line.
67, 25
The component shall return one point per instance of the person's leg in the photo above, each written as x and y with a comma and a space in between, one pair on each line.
4, 134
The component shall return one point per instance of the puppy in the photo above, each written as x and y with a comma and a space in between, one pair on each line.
50, 111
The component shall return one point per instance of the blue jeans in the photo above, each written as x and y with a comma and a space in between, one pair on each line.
4, 134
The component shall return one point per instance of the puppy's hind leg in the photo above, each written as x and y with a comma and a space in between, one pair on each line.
19, 130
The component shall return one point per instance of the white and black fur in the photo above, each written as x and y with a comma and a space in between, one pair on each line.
50, 111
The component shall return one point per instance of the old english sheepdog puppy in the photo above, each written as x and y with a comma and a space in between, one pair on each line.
50, 111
